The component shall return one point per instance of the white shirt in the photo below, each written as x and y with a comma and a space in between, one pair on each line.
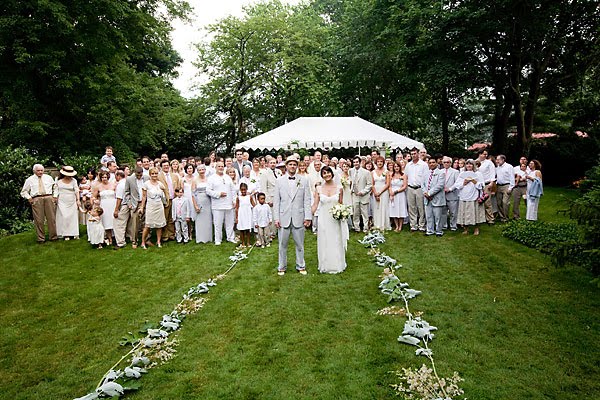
32, 184
217, 184
522, 174
120, 189
416, 172
505, 173
262, 215
487, 170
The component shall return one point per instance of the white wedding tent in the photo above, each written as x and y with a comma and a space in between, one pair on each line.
328, 133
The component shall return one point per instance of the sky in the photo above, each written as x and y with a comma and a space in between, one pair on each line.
184, 35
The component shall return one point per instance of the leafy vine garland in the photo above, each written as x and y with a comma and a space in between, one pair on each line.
159, 343
423, 383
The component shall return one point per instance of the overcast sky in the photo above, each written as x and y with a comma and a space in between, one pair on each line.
185, 35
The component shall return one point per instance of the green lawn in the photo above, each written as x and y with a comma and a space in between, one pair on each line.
510, 323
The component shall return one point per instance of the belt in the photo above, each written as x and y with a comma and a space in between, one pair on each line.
502, 184
41, 195
414, 187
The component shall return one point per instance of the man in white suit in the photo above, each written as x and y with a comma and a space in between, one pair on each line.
451, 208
291, 214
434, 198
361, 190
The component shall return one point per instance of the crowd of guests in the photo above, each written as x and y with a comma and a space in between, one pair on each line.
199, 199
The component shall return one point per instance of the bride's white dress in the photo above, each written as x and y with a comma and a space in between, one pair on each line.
332, 237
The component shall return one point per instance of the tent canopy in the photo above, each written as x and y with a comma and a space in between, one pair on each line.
328, 133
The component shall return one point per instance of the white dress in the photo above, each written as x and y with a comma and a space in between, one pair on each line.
95, 230
381, 208
67, 213
244, 213
108, 201
332, 237
398, 207
188, 194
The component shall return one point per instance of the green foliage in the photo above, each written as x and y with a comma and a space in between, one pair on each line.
540, 235
270, 66
78, 75
586, 211
81, 163
16, 165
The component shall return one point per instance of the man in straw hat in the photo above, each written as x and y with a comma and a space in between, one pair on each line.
39, 189
292, 214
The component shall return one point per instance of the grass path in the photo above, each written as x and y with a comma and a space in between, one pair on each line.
511, 324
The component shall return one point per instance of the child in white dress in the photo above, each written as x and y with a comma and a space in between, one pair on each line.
243, 215
262, 216
95, 229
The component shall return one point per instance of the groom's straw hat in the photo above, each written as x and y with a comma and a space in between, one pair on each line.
291, 158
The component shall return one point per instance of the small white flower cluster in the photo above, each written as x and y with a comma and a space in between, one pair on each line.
422, 384
340, 212
392, 310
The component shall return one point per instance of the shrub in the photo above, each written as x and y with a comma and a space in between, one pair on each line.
586, 211
543, 236
16, 165
80, 163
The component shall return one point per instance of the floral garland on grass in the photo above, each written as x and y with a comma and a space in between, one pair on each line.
159, 343
423, 383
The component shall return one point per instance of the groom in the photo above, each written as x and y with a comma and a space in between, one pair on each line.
291, 212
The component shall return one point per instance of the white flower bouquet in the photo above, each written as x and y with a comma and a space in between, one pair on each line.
340, 211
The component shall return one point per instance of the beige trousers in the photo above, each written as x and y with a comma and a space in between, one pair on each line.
503, 201
44, 209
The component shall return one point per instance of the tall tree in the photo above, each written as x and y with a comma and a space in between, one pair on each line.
266, 68
78, 74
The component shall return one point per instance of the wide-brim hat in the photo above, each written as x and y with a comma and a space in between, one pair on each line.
290, 159
67, 170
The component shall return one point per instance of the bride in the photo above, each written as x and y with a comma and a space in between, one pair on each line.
332, 235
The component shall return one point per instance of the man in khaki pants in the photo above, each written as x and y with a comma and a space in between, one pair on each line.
39, 189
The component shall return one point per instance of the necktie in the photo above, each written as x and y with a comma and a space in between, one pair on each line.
274, 174
170, 184
292, 178
41, 188
429, 181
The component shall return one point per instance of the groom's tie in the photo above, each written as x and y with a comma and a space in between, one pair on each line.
292, 178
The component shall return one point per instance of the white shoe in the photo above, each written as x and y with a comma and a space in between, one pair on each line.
218, 244
302, 272
281, 273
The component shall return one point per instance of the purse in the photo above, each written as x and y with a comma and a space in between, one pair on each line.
483, 196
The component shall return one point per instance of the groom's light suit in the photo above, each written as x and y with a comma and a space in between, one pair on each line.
291, 207
362, 183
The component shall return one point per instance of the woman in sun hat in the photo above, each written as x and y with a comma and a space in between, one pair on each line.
68, 204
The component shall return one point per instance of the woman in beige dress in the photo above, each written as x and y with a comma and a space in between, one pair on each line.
68, 204
153, 200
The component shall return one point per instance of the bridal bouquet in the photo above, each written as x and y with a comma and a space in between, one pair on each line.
341, 211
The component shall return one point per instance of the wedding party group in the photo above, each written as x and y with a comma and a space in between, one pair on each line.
209, 199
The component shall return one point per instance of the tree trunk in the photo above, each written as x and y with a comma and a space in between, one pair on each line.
502, 111
445, 117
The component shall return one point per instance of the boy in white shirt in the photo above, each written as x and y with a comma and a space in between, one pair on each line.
262, 219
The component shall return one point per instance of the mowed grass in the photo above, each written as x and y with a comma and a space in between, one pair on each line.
509, 322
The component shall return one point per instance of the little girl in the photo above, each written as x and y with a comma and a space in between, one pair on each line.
85, 196
95, 229
243, 215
